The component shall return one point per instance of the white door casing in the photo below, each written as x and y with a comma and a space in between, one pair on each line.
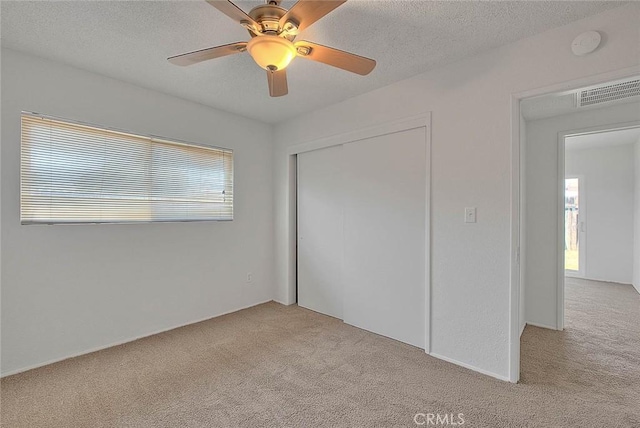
384, 192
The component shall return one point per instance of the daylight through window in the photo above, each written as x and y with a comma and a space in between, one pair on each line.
75, 173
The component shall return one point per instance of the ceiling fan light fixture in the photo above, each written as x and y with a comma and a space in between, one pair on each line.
271, 52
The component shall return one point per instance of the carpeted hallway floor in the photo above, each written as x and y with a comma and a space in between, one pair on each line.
272, 366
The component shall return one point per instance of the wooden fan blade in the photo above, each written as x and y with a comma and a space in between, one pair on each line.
277, 83
207, 54
306, 12
233, 12
335, 57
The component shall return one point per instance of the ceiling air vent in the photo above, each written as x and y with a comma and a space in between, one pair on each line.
609, 93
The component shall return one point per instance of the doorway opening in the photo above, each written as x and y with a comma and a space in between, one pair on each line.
580, 224
600, 176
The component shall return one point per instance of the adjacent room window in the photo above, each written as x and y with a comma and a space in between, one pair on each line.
75, 173
572, 224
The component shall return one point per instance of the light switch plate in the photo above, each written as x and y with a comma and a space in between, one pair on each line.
470, 215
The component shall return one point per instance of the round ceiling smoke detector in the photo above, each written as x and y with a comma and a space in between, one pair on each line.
586, 43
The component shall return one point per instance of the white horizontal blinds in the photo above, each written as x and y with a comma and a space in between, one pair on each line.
73, 173
191, 181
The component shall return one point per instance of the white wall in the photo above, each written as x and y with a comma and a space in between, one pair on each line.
523, 220
471, 166
636, 251
608, 174
541, 262
69, 289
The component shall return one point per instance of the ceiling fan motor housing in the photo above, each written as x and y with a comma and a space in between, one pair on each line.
268, 17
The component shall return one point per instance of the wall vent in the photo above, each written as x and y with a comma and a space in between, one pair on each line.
609, 93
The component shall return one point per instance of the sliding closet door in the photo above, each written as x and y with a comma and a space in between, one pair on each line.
320, 230
384, 235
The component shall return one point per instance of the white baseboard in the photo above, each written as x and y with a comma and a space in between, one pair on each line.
535, 324
283, 303
599, 280
470, 367
522, 329
122, 342
570, 274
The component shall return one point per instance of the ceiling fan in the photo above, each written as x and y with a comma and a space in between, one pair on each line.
273, 30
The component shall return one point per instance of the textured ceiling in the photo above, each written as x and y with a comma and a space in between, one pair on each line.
603, 139
131, 40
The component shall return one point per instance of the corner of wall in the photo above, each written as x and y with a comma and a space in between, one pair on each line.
274, 214
636, 216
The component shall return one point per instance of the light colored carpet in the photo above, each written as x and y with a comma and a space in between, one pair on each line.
273, 365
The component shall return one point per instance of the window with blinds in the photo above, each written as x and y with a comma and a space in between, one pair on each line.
75, 173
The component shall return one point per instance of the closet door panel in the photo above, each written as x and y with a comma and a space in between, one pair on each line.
320, 230
384, 235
